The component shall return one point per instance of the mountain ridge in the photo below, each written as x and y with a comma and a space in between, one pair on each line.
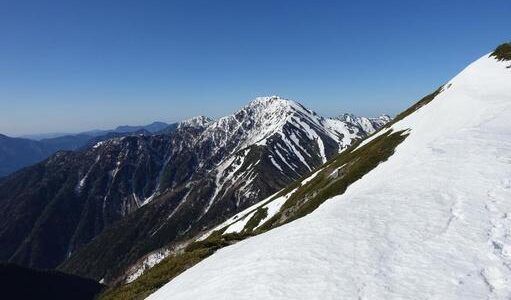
235, 160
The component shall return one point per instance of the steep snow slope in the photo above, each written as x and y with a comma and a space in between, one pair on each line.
434, 221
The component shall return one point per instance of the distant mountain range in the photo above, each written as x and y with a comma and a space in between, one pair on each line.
153, 127
16, 153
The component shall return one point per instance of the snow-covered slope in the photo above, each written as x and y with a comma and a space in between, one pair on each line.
434, 221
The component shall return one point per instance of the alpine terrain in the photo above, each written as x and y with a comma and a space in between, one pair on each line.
419, 210
97, 211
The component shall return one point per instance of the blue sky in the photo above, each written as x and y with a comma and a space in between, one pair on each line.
69, 65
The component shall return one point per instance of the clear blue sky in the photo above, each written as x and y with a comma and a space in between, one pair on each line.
74, 65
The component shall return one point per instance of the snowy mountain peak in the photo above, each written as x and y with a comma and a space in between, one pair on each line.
384, 117
352, 118
367, 124
274, 116
349, 117
198, 122
274, 104
268, 100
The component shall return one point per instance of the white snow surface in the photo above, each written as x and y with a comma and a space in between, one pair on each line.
432, 222
239, 225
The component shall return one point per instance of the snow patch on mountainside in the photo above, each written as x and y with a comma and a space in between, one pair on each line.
274, 206
236, 217
148, 262
434, 221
